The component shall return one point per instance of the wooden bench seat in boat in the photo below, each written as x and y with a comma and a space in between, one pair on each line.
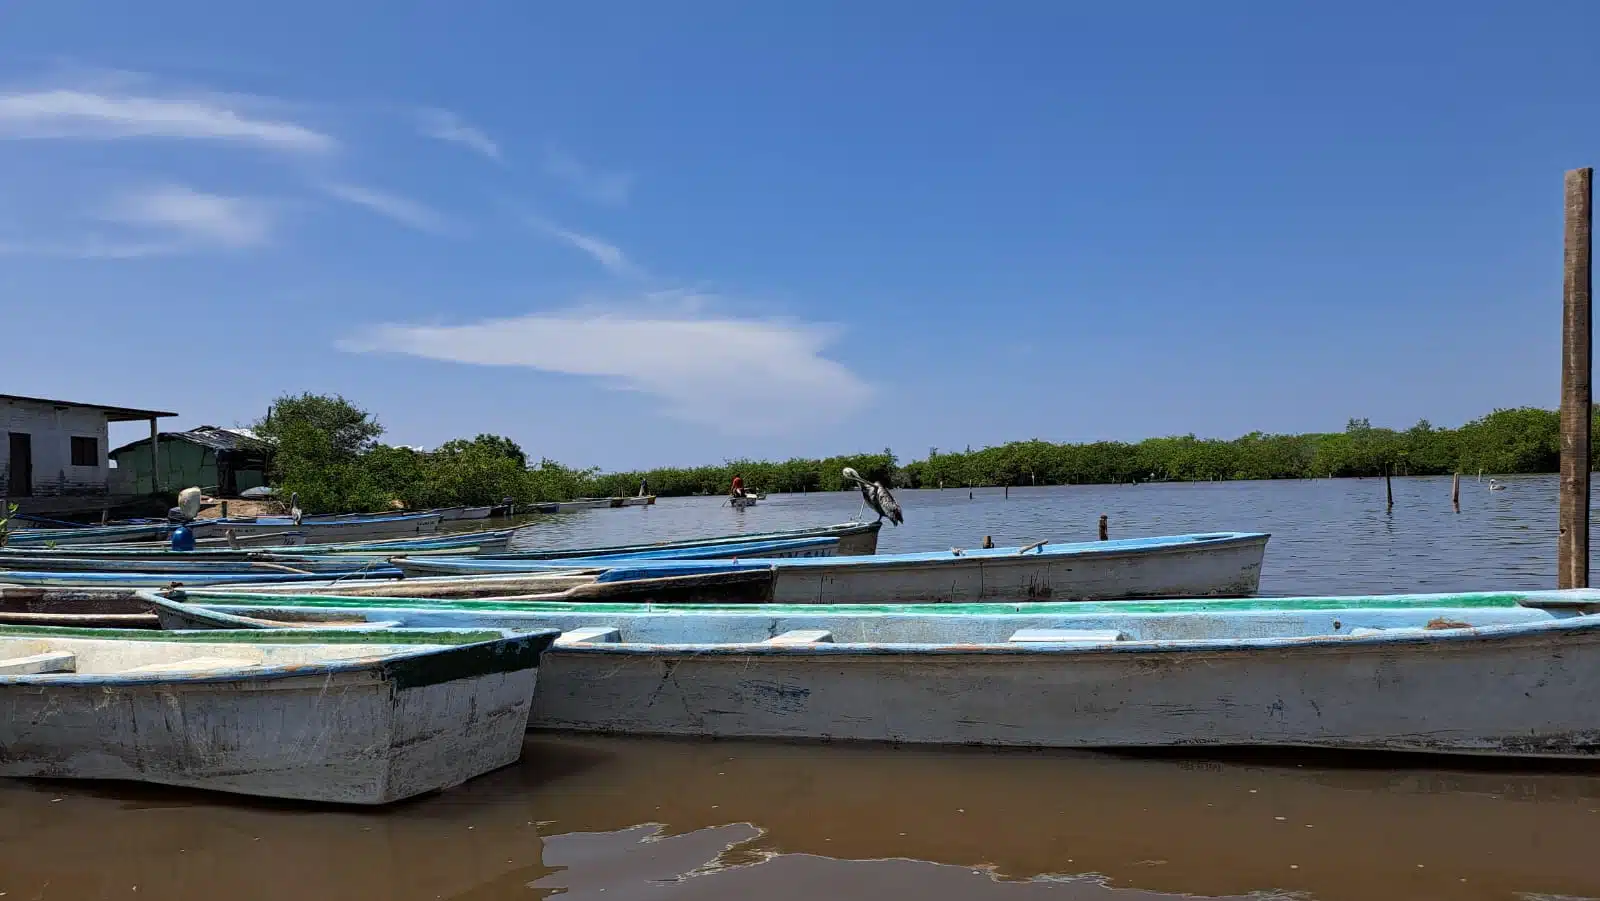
801, 636
588, 634
34, 664
1067, 636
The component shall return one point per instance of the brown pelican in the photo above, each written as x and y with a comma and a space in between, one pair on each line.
877, 497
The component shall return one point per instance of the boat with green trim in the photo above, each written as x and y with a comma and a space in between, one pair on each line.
350, 717
1507, 674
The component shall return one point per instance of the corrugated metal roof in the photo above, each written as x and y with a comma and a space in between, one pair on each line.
209, 436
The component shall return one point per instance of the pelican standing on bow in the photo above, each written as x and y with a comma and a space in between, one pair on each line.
877, 497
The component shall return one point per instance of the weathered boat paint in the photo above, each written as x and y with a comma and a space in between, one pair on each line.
88, 535
86, 607
324, 715
486, 541
1226, 564
855, 539
164, 579
182, 562
1510, 673
787, 548
352, 528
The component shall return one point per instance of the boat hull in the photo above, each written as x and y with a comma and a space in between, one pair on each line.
361, 735
356, 528
1534, 696
1192, 566
1509, 674
1214, 569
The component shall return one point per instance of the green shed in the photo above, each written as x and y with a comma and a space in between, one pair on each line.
221, 462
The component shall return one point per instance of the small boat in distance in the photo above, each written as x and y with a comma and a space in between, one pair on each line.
351, 717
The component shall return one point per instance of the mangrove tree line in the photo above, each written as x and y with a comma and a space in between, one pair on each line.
328, 450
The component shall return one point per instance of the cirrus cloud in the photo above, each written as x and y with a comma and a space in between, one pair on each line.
740, 375
66, 113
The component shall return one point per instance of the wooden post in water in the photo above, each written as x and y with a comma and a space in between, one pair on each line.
1388, 486
988, 541
1105, 533
1455, 491
1008, 490
1577, 346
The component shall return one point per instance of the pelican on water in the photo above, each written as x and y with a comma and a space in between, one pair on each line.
1494, 485
877, 497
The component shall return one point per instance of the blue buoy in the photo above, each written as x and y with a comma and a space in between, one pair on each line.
182, 539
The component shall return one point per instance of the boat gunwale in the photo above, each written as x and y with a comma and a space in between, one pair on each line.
514, 646
1582, 597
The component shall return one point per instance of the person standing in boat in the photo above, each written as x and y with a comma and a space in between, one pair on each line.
738, 487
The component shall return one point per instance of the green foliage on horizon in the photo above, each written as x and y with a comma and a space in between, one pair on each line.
328, 451
1520, 440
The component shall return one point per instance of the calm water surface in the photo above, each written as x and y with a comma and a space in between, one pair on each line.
610, 819
1329, 536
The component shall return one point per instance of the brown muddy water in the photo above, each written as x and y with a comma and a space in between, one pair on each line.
613, 819
606, 819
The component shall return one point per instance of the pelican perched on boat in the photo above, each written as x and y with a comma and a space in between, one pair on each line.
877, 497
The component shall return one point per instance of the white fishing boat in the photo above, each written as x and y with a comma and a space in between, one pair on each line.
318, 715
741, 501
1513, 674
1217, 564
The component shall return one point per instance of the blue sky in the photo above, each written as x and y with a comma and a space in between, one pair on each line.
643, 233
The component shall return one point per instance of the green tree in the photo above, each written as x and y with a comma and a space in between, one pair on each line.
349, 429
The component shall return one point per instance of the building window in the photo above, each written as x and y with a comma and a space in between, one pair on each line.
85, 451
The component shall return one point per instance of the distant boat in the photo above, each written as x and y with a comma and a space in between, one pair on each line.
739, 502
315, 715
452, 514
572, 506
1503, 674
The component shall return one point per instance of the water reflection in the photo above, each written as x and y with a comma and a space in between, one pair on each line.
669, 819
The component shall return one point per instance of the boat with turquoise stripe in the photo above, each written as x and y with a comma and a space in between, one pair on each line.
1506, 674
1216, 564
350, 717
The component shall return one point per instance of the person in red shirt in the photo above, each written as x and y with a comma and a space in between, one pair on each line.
738, 487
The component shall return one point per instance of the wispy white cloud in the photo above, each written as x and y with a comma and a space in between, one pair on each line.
403, 210
154, 220
610, 188
603, 252
67, 113
192, 218
741, 375
447, 126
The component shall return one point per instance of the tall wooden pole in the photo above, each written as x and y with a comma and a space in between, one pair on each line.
1577, 345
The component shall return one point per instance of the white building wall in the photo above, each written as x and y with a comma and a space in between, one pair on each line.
52, 429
